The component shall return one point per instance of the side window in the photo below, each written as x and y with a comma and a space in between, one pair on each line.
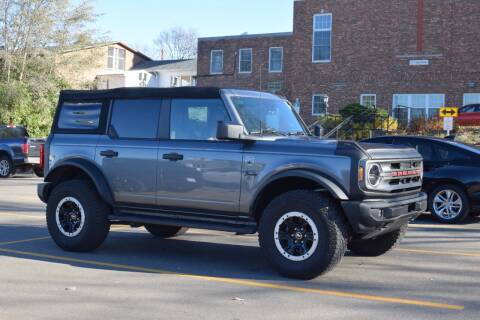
195, 119
426, 150
135, 119
82, 116
446, 153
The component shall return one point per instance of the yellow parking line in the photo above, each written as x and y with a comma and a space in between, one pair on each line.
23, 241
249, 283
447, 253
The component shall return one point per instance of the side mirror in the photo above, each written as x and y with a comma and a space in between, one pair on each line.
228, 131
318, 131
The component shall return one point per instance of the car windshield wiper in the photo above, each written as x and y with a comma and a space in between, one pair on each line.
268, 132
298, 133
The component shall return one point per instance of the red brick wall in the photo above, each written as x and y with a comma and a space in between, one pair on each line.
373, 41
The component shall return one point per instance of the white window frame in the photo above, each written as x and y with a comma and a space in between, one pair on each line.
465, 95
240, 60
368, 95
313, 104
116, 58
410, 96
211, 61
313, 37
270, 60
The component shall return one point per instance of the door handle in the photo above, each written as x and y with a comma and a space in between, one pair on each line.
173, 156
109, 153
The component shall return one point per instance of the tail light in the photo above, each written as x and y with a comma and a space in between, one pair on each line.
25, 148
42, 156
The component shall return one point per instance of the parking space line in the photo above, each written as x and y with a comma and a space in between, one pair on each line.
242, 282
23, 241
446, 253
26, 216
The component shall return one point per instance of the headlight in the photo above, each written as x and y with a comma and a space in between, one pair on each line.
374, 174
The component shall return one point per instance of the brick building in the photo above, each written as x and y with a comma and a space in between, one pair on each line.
410, 56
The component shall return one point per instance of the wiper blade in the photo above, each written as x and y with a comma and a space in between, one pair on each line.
268, 131
298, 133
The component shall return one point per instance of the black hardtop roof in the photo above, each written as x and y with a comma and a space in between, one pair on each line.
135, 93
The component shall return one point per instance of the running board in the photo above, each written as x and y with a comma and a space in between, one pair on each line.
243, 225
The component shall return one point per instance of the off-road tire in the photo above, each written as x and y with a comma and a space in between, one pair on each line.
465, 204
379, 245
161, 231
96, 225
327, 217
11, 170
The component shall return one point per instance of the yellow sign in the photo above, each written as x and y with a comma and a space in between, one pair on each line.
449, 112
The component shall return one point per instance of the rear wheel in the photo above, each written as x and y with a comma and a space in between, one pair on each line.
378, 246
161, 231
302, 233
449, 204
77, 217
6, 166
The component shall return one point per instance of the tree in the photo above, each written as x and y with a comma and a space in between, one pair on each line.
33, 36
177, 43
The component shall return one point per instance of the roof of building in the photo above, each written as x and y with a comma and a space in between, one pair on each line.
104, 44
125, 93
167, 65
248, 36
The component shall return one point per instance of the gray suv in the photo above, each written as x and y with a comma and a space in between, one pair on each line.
222, 159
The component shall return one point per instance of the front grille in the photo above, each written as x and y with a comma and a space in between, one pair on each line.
399, 175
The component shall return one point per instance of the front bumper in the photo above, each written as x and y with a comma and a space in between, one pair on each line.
371, 218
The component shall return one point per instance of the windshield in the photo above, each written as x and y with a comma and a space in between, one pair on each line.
267, 116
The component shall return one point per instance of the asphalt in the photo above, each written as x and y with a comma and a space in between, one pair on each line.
435, 274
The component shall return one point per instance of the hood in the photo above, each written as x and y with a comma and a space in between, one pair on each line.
379, 151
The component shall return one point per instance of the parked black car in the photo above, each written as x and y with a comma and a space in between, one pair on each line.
451, 175
18, 152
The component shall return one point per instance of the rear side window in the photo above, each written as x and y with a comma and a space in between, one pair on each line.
135, 119
13, 133
446, 153
83, 116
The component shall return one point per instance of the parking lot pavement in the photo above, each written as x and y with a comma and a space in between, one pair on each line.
435, 274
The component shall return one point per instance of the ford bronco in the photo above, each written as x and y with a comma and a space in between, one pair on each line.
223, 159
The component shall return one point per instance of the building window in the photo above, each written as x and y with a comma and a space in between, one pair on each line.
471, 98
319, 105
116, 59
245, 61
408, 107
216, 62
276, 60
322, 38
142, 79
368, 100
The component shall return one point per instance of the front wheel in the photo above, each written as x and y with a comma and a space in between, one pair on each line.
449, 204
77, 219
302, 233
161, 231
378, 246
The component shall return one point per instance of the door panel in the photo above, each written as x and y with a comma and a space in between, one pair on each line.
206, 178
128, 155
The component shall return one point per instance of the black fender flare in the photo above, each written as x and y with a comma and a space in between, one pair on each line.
326, 182
92, 171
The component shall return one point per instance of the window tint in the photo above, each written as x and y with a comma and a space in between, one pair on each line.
195, 119
426, 150
80, 116
13, 132
135, 119
446, 153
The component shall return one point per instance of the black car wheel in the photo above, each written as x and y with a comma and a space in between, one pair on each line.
303, 234
77, 217
161, 231
449, 204
6, 166
38, 172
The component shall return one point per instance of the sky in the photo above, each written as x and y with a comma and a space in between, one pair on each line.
137, 23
